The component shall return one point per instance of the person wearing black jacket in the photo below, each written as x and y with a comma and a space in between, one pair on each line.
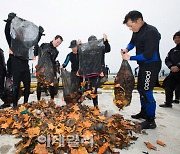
172, 81
73, 57
94, 81
146, 39
18, 67
8, 38
52, 50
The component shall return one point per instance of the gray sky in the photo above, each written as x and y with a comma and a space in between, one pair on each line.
78, 19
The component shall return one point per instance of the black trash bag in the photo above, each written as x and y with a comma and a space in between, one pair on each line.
124, 85
56, 86
70, 95
45, 72
90, 54
24, 36
66, 82
7, 96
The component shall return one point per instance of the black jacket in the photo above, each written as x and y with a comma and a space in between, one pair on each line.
7, 33
173, 57
146, 41
74, 59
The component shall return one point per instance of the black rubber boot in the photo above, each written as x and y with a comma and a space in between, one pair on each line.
176, 101
5, 105
140, 115
169, 98
95, 102
149, 123
15, 96
165, 105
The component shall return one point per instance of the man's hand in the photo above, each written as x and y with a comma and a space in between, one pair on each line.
51, 84
61, 67
77, 74
174, 69
101, 74
79, 42
104, 37
34, 58
126, 56
10, 52
123, 51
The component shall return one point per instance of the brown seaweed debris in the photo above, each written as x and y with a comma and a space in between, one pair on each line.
56, 129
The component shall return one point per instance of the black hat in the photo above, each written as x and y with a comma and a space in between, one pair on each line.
92, 38
10, 16
73, 44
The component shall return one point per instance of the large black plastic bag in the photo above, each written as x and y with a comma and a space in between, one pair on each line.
124, 85
7, 96
66, 81
90, 54
45, 70
70, 92
24, 36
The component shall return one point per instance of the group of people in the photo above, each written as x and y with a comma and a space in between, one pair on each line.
20, 69
92, 80
145, 39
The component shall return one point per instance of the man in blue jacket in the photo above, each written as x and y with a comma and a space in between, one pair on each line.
146, 40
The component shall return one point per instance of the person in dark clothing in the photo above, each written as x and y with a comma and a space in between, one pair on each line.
20, 72
106, 50
8, 38
73, 57
172, 81
107, 71
2, 72
93, 82
146, 40
18, 66
53, 52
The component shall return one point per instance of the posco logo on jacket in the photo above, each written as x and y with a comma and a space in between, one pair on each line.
147, 80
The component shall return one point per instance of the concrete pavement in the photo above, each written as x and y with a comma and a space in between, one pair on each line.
167, 119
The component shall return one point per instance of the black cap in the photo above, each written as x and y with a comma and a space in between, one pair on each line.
92, 38
10, 16
73, 44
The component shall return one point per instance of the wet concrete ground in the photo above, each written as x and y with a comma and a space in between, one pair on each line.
167, 119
